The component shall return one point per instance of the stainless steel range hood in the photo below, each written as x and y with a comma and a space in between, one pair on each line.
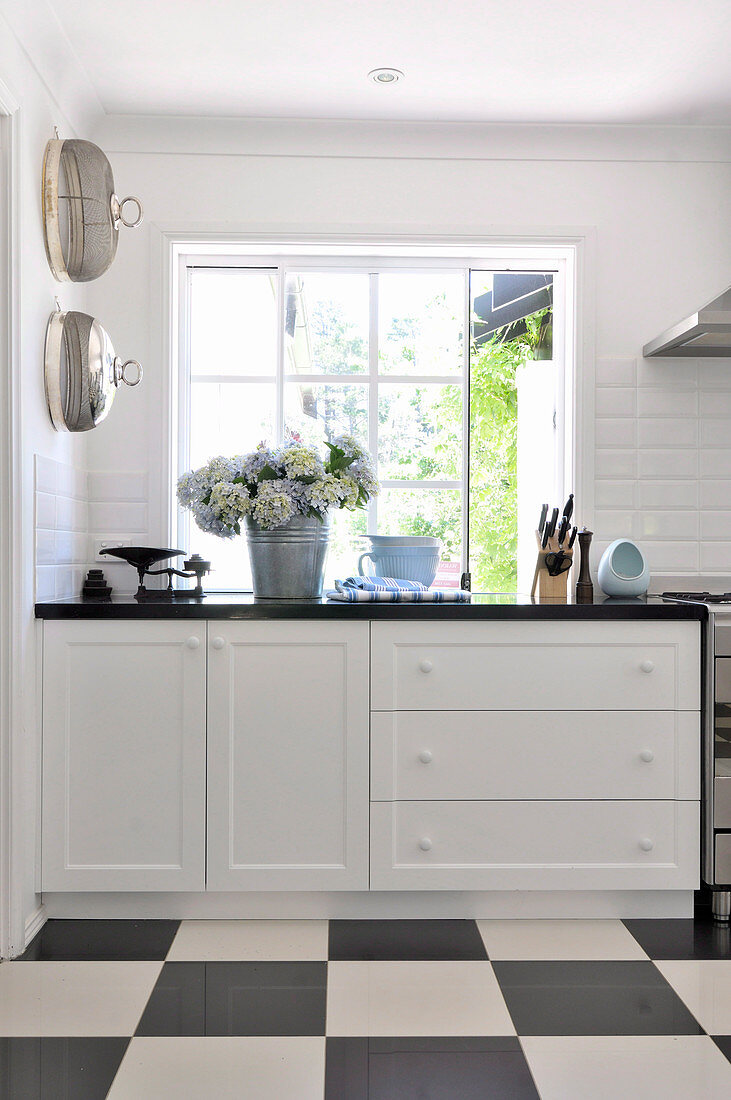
705, 334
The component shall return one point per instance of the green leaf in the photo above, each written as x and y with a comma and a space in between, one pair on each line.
268, 474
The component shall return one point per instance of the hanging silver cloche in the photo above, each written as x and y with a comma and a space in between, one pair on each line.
81, 212
82, 371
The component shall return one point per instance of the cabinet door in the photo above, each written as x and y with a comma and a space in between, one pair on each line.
124, 756
288, 756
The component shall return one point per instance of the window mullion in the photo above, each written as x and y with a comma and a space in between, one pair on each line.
373, 391
279, 386
466, 346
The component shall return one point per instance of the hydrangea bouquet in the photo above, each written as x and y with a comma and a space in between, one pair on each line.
271, 485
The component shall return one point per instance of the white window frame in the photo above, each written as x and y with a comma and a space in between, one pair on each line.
562, 259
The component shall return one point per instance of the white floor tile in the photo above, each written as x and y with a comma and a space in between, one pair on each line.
631, 1067
705, 986
415, 998
222, 1067
74, 998
250, 940
558, 939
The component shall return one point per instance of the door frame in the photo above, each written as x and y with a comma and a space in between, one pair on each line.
12, 924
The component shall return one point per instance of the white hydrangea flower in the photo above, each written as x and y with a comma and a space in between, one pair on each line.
300, 461
272, 506
230, 503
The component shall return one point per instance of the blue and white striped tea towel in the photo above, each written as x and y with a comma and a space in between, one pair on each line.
389, 590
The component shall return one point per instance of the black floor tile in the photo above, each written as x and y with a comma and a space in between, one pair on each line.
59, 1069
702, 938
441, 1069
723, 1042
102, 940
592, 998
406, 940
237, 998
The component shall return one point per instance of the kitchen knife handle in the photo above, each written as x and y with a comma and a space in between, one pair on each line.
572, 538
568, 510
551, 528
542, 520
562, 531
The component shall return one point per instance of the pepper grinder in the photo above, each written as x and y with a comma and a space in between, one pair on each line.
584, 587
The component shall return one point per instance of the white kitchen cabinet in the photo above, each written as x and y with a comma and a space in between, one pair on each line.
501, 754
535, 845
535, 666
123, 756
288, 756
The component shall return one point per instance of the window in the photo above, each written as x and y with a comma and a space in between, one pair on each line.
447, 368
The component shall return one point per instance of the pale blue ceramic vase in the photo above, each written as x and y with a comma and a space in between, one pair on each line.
623, 570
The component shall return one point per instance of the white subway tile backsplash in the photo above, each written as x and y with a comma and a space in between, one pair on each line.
715, 494
667, 432
615, 401
668, 464
45, 547
715, 432
45, 582
672, 557
65, 508
45, 510
678, 524
668, 494
664, 374
715, 462
716, 403
615, 432
615, 494
615, 464
655, 402
714, 374
715, 557
64, 582
715, 525
616, 372
611, 523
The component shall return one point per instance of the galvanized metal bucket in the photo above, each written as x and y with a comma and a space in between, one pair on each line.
288, 563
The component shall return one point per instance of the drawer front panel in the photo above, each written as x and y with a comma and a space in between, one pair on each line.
535, 666
534, 845
532, 755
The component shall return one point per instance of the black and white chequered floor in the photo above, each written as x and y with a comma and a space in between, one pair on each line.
368, 1010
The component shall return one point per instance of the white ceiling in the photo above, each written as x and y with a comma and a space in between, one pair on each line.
557, 61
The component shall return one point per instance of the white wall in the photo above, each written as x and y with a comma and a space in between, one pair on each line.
39, 112
657, 200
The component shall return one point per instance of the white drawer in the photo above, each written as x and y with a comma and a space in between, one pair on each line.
535, 666
534, 755
535, 845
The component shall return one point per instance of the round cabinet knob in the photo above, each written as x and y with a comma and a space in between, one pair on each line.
426, 666
647, 755
646, 844
647, 666
425, 844
193, 642
218, 643
425, 756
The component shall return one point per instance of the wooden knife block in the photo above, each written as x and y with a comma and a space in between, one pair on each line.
550, 589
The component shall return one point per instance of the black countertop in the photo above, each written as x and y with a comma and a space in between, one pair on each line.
242, 605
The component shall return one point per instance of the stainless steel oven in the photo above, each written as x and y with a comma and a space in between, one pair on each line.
717, 808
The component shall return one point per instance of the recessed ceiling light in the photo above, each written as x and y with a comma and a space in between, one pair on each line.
385, 76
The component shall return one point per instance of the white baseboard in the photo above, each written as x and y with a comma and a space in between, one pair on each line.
35, 922
509, 904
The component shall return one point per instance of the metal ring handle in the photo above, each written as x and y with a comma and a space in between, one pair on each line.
118, 216
120, 368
